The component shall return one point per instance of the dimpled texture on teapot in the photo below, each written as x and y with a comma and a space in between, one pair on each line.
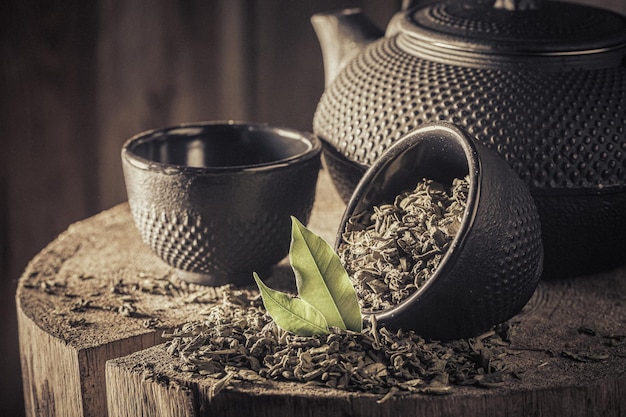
562, 129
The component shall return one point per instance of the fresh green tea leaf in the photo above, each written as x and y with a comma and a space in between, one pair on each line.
322, 280
292, 314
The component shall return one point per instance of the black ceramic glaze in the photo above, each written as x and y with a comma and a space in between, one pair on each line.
214, 199
545, 88
494, 263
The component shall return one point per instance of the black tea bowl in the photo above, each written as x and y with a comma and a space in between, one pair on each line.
214, 199
493, 264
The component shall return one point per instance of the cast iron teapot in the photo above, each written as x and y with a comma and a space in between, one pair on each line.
542, 83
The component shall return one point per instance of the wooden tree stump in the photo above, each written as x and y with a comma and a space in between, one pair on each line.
568, 355
97, 298
97, 293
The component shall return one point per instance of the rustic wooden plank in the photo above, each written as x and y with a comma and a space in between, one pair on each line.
287, 61
46, 119
47, 97
165, 400
157, 65
62, 380
50, 362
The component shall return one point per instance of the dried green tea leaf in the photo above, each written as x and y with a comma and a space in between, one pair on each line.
322, 280
292, 314
392, 249
241, 336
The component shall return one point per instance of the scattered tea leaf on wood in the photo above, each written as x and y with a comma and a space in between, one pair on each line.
614, 340
393, 249
242, 341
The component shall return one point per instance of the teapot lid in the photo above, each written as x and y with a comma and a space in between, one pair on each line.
479, 32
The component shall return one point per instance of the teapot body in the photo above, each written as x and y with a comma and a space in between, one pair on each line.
558, 121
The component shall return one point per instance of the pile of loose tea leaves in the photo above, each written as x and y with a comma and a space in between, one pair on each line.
238, 341
393, 249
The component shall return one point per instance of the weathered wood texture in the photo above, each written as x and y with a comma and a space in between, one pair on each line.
551, 385
97, 293
46, 163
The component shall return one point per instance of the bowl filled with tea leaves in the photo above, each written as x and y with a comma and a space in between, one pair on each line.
441, 236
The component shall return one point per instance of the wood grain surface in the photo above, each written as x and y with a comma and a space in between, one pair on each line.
98, 294
563, 362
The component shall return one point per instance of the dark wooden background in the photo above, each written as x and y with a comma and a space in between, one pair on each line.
80, 77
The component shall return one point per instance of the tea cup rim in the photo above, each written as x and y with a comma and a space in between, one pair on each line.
312, 142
